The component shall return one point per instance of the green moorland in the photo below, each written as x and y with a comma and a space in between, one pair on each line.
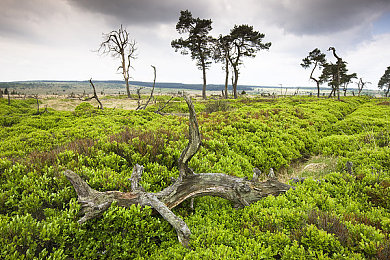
343, 216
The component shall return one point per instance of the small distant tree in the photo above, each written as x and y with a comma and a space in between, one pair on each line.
38, 111
119, 45
221, 54
37, 99
198, 43
7, 92
316, 59
1, 93
243, 42
384, 82
346, 79
328, 75
361, 84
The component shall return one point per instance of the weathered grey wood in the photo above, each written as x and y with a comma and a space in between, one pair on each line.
256, 174
193, 144
240, 191
136, 177
95, 96
183, 232
271, 174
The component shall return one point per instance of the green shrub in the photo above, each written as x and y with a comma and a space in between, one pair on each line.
217, 105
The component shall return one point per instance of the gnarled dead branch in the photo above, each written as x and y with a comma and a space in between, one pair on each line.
158, 111
140, 107
240, 191
95, 96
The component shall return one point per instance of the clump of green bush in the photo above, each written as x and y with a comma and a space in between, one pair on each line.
216, 106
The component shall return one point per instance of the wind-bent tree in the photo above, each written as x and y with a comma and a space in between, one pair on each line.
245, 42
241, 191
317, 59
337, 75
384, 82
119, 45
198, 42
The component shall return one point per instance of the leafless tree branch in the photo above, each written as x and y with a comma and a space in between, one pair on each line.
141, 107
95, 96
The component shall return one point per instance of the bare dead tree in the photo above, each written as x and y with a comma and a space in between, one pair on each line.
240, 191
360, 85
36, 97
138, 91
95, 96
154, 84
141, 107
38, 111
119, 45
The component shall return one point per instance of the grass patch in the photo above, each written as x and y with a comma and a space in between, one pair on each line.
316, 166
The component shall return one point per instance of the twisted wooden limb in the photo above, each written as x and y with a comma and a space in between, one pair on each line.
193, 144
95, 96
240, 191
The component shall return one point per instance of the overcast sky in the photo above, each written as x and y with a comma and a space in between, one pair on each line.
56, 39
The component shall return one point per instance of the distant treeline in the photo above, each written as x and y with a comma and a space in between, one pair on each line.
210, 87
120, 84
67, 84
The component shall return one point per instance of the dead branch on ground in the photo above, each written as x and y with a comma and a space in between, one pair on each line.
240, 191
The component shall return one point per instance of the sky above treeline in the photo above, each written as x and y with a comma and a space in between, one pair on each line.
58, 39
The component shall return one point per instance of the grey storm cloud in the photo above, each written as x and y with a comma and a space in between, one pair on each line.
26, 18
140, 12
23, 18
15, 14
314, 17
